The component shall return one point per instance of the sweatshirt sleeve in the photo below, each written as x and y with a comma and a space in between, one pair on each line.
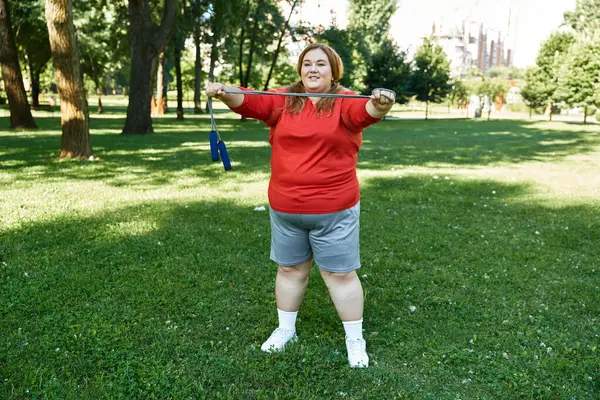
354, 114
259, 106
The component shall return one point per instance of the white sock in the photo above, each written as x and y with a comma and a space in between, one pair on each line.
287, 319
353, 329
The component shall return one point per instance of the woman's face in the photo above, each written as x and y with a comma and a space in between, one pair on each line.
316, 71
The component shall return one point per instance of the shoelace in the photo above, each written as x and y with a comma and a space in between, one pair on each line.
280, 333
356, 345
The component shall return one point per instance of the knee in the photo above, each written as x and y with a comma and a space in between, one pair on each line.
297, 272
339, 277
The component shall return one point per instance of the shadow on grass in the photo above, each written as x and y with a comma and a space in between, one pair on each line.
183, 145
172, 297
468, 142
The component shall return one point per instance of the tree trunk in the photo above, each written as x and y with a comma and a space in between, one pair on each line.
585, 114
197, 74
179, 84
530, 112
20, 113
165, 92
35, 89
241, 55
214, 53
34, 76
426, 110
242, 40
277, 50
74, 115
160, 85
550, 111
147, 41
153, 72
139, 120
252, 46
99, 93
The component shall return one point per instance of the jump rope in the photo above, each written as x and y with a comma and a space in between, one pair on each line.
218, 149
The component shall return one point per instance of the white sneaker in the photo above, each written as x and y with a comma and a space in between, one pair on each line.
278, 339
357, 353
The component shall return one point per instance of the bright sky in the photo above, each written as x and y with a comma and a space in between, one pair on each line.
534, 19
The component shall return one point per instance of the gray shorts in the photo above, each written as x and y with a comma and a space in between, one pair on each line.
332, 239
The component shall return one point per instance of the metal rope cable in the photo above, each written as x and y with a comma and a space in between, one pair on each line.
331, 95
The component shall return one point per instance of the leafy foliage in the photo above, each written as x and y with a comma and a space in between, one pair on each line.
534, 92
585, 19
371, 19
551, 57
494, 90
390, 69
31, 32
579, 82
459, 94
350, 46
431, 73
103, 39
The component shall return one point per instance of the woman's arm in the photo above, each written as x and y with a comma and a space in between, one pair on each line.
231, 100
260, 107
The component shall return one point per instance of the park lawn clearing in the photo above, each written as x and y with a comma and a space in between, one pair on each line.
146, 274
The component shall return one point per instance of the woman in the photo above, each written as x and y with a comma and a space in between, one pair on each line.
314, 193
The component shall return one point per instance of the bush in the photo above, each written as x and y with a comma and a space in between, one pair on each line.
598, 115
518, 107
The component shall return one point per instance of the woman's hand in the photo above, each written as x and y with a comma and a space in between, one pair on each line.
217, 90
381, 102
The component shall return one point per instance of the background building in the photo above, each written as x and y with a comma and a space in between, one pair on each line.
471, 42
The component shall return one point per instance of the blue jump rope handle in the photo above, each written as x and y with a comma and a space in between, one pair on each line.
214, 140
224, 155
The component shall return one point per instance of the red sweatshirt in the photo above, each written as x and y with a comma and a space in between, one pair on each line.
313, 159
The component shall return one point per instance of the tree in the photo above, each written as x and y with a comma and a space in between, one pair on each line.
147, 41
389, 69
185, 26
551, 57
354, 53
585, 19
534, 93
371, 19
31, 35
20, 114
75, 141
282, 34
430, 75
161, 87
223, 16
458, 95
494, 90
102, 39
198, 11
266, 22
579, 83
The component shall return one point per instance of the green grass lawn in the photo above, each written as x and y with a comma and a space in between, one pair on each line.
146, 274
